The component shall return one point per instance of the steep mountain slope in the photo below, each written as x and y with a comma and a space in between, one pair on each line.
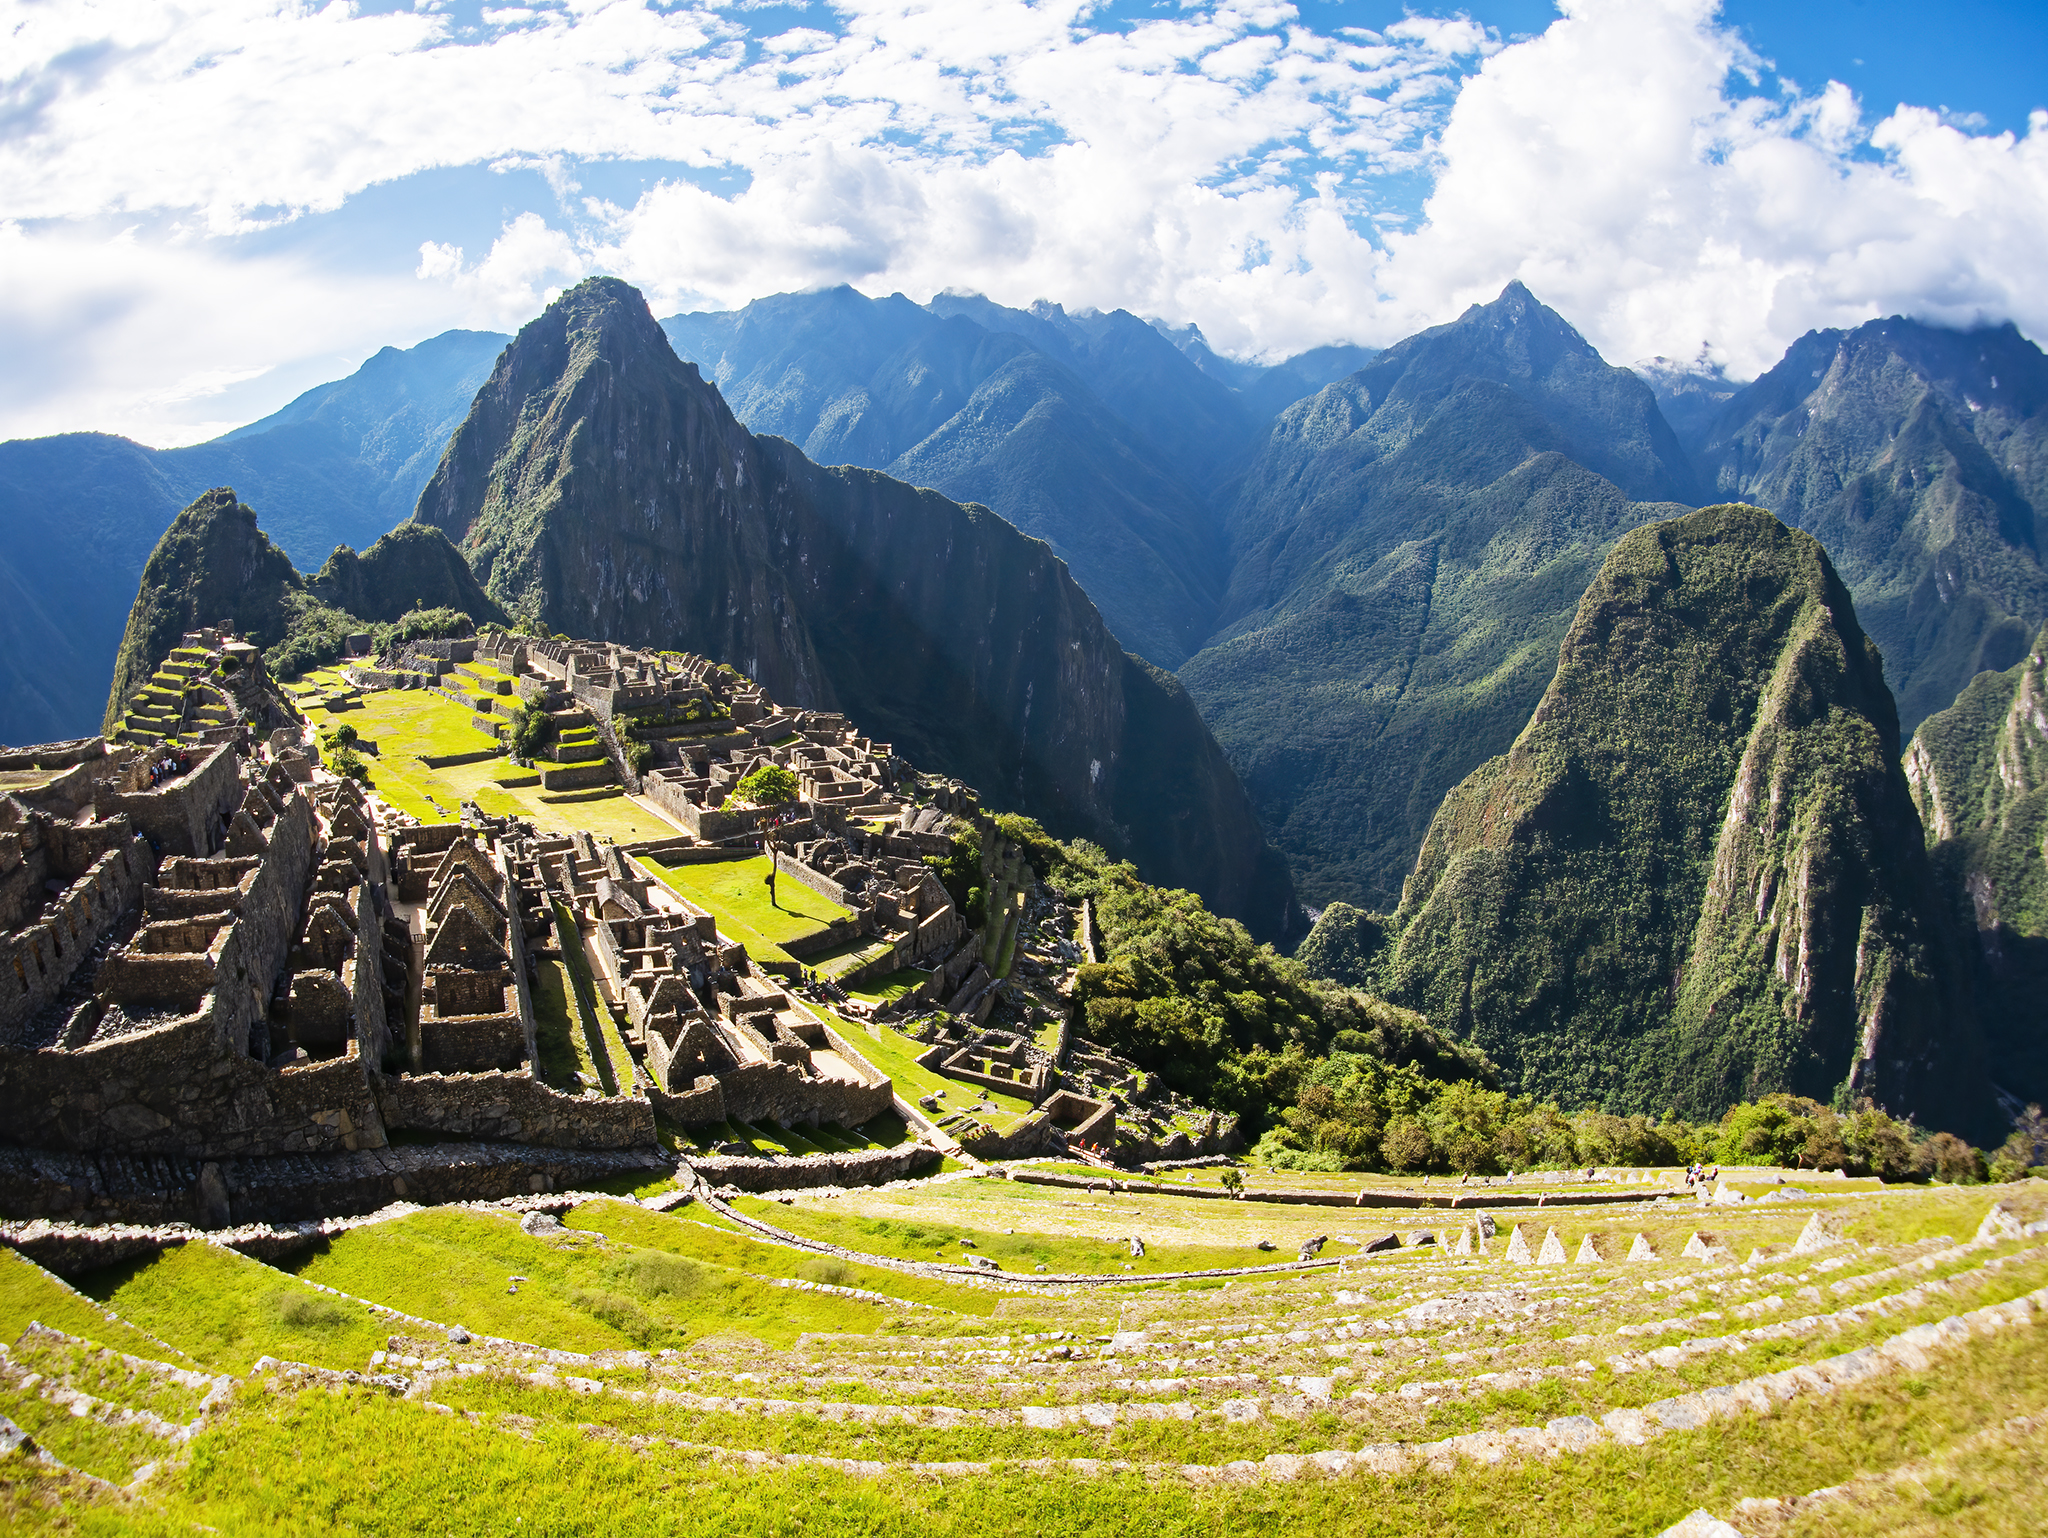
214, 565
601, 485
982, 416
1410, 544
1919, 457
347, 460
1979, 773
1697, 876
83, 511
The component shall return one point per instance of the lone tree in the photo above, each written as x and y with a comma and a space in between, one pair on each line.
769, 785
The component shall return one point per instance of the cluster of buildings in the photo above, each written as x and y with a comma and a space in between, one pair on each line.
211, 970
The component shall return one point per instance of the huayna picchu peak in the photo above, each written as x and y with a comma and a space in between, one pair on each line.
599, 485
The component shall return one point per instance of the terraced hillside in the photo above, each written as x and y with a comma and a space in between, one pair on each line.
1611, 1356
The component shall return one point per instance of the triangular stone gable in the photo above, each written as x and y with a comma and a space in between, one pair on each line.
1552, 1253
462, 941
463, 853
330, 937
1518, 1248
461, 889
1641, 1250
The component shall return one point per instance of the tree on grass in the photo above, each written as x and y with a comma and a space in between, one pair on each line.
769, 785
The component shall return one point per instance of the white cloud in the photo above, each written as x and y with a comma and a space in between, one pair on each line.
1220, 164
1603, 165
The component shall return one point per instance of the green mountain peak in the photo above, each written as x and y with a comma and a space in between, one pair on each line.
1695, 877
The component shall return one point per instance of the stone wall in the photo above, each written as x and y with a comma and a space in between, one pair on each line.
184, 815
863, 1167
512, 1107
189, 1087
37, 960
79, 1188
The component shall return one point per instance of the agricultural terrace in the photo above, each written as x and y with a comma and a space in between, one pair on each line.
408, 724
1828, 1358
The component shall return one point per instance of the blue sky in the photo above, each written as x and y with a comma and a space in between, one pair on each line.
204, 211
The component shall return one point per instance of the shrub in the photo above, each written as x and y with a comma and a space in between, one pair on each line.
655, 1274
1406, 1145
307, 1311
828, 1271
531, 729
620, 1312
1947, 1157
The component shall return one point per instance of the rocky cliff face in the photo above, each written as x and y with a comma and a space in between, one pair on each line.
1919, 457
1979, 772
599, 484
1697, 875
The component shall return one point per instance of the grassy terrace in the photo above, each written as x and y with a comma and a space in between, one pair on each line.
408, 723
741, 1351
735, 892
896, 1055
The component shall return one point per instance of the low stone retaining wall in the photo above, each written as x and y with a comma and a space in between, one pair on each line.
863, 1167
512, 1106
81, 1188
1411, 1201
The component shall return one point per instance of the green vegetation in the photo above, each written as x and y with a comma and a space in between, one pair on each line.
1587, 910
1979, 772
582, 1291
1356, 1113
409, 723
1403, 588
224, 1310
213, 564
27, 1292
1193, 998
769, 785
736, 891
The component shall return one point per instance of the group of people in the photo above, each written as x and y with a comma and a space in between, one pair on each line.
1700, 1175
169, 768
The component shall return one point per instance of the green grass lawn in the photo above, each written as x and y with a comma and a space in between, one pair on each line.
896, 1055
29, 1293
684, 1232
927, 1230
584, 1292
225, 1310
559, 1035
734, 891
889, 987
405, 723
603, 1046
384, 1463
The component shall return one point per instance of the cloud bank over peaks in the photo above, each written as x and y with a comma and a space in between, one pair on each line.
181, 180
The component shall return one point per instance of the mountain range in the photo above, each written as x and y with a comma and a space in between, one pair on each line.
1364, 595
342, 464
